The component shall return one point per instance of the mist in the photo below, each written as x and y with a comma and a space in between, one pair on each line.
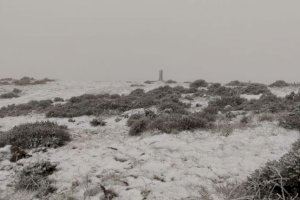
112, 40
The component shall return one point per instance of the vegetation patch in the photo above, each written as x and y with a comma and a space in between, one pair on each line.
33, 135
279, 83
34, 177
163, 97
25, 109
97, 122
199, 83
276, 180
170, 122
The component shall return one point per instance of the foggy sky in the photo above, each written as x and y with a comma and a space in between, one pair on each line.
218, 40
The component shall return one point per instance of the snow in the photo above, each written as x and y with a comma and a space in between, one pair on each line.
156, 166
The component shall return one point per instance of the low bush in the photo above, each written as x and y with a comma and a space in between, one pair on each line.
198, 83
138, 126
34, 177
266, 117
170, 122
276, 180
268, 103
291, 120
17, 91
58, 99
149, 82
97, 122
255, 89
9, 95
31, 81
171, 82
39, 134
225, 103
217, 89
279, 83
26, 108
98, 104
237, 84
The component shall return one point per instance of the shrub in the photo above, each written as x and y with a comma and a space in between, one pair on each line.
171, 82
26, 108
198, 83
137, 85
17, 91
291, 120
266, 117
235, 102
139, 126
39, 134
276, 180
149, 82
237, 83
98, 122
98, 104
170, 122
9, 95
279, 83
58, 99
31, 81
217, 89
255, 89
34, 177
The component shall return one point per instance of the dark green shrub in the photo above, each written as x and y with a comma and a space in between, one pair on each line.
198, 83
39, 134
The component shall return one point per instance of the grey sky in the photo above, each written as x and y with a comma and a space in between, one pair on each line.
132, 39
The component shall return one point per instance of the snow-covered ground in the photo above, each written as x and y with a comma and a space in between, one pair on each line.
152, 166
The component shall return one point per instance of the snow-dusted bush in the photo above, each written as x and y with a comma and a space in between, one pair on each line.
237, 83
199, 83
139, 126
170, 122
217, 89
171, 82
268, 103
276, 180
34, 177
39, 134
31, 81
58, 99
232, 102
9, 95
291, 120
97, 122
255, 89
26, 108
98, 104
279, 83
17, 91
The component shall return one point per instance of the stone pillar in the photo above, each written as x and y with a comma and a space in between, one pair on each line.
161, 75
